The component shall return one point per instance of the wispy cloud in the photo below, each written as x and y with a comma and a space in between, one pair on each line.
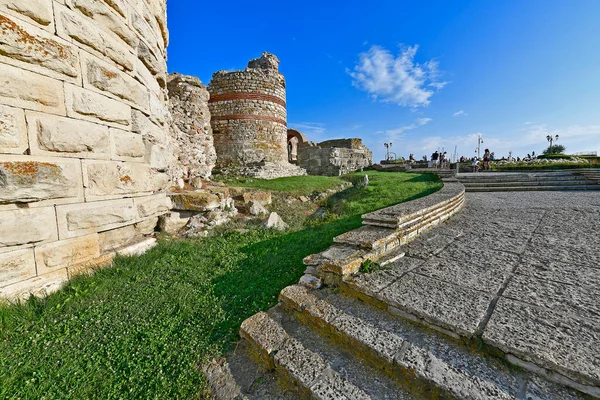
459, 113
398, 80
391, 133
314, 131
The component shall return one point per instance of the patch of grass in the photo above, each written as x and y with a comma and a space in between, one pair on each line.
143, 328
295, 185
370, 266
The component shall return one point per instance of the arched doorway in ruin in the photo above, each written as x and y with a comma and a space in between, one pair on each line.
294, 138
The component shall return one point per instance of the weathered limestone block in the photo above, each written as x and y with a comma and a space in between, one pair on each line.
38, 286
157, 156
111, 81
13, 131
16, 266
118, 238
28, 179
151, 62
199, 200
111, 179
91, 106
51, 134
172, 222
159, 113
82, 219
141, 73
36, 11
152, 206
140, 25
150, 131
72, 25
27, 226
147, 227
106, 18
258, 196
37, 48
66, 253
126, 145
29, 90
119, 6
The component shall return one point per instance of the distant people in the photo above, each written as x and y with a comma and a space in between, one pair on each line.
533, 154
443, 159
425, 158
486, 160
411, 158
434, 159
462, 159
518, 159
475, 164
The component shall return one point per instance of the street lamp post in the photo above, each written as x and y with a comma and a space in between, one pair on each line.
388, 146
551, 139
479, 143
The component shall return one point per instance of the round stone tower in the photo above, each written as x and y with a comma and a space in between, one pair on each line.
249, 120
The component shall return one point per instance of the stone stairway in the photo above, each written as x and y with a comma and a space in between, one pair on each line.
582, 179
398, 332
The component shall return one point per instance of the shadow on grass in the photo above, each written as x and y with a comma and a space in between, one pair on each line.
270, 265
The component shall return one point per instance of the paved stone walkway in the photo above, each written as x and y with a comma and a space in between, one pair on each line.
521, 270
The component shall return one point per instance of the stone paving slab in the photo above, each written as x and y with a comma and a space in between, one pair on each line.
553, 340
459, 309
576, 300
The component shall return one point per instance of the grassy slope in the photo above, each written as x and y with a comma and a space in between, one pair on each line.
142, 328
295, 185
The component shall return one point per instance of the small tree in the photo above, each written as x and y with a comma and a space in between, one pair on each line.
555, 149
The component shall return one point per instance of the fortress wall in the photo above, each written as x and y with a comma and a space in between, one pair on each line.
84, 145
249, 118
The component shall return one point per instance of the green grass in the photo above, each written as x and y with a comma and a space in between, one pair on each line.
295, 185
143, 328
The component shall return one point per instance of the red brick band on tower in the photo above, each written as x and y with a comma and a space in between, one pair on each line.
246, 96
249, 117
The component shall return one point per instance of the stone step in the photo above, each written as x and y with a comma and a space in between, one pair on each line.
304, 369
532, 188
423, 363
570, 182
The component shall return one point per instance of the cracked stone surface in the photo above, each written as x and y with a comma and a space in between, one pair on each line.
524, 267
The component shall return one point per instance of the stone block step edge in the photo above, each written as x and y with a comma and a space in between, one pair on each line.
295, 364
550, 375
407, 228
533, 188
399, 219
410, 364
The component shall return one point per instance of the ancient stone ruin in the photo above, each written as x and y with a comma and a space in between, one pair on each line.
85, 150
188, 104
333, 157
249, 120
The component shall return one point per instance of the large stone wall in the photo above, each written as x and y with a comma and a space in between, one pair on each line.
334, 157
188, 104
249, 120
84, 144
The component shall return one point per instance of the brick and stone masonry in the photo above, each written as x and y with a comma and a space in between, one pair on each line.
188, 104
249, 120
85, 150
334, 157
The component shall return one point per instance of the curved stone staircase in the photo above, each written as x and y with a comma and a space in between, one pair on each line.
577, 179
356, 339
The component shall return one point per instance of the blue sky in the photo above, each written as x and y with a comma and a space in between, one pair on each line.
422, 74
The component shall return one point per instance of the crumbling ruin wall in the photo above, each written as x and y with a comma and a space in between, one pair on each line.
334, 157
249, 119
84, 142
190, 128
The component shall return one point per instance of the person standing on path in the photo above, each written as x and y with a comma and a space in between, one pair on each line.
434, 159
486, 160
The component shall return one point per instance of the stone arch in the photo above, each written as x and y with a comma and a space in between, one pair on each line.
294, 138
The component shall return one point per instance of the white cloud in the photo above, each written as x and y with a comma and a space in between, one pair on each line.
314, 131
393, 133
398, 79
458, 113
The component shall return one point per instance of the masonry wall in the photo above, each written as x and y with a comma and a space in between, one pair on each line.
190, 128
84, 144
249, 117
334, 157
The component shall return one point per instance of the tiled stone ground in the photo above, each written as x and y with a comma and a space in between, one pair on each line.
520, 269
